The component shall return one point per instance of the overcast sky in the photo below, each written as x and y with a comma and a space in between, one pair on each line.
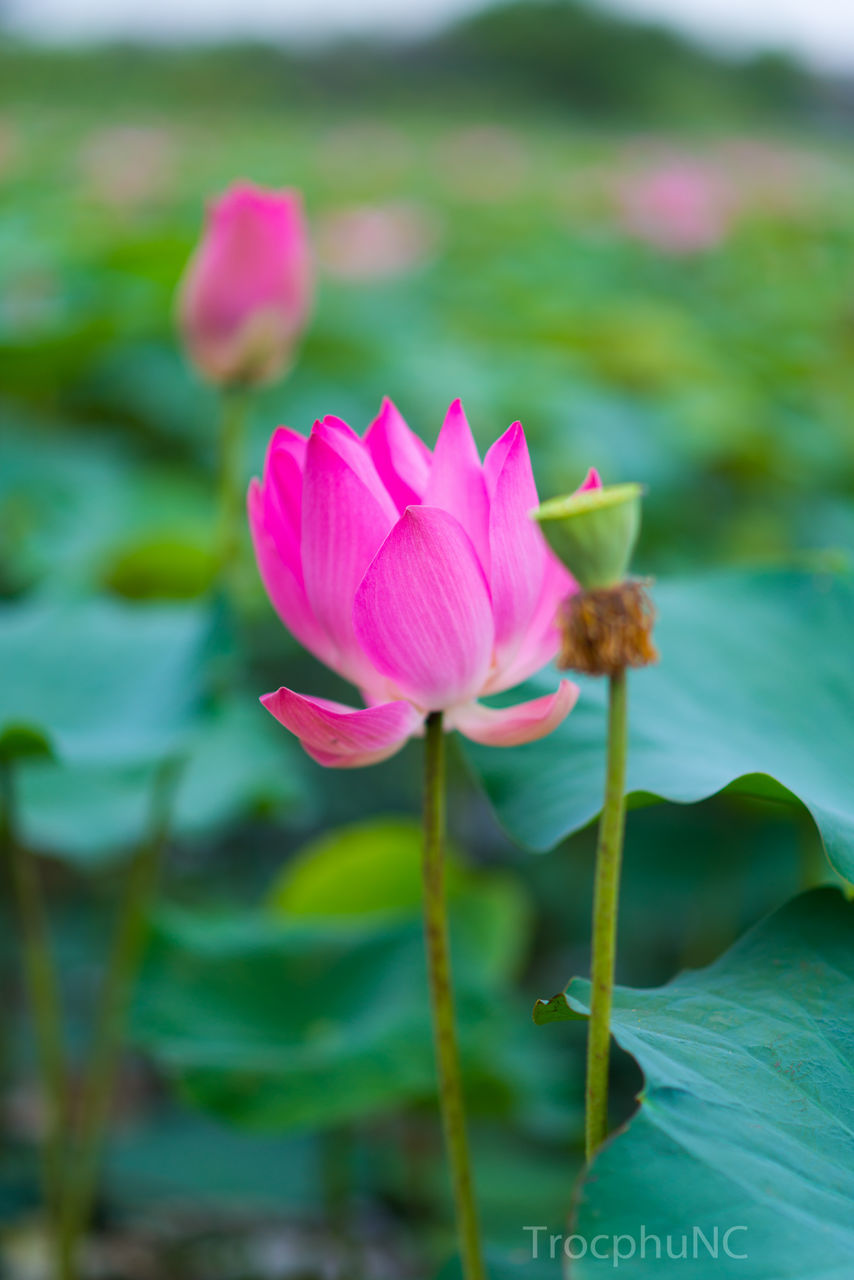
821, 30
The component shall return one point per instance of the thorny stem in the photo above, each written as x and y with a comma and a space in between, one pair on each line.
442, 997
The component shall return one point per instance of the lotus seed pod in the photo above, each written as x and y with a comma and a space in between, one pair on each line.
594, 532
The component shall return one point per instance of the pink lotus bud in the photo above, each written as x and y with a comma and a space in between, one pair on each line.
246, 291
418, 575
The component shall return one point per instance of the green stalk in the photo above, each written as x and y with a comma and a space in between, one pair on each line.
337, 1155
609, 856
43, 991
231, 493
442, 999
99, 1084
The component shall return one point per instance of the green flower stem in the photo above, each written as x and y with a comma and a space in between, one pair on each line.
442, 998
235, 403
43, 991
337, 1156
99, 1083
609, 856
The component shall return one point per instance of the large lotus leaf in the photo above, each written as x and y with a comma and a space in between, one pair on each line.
277, 1025
87, 814
103, 682
185, 1157
61, 499
236, 765
110, 690
747, 1114
373, 870
239, 766
364, 869
754, 691
82, 512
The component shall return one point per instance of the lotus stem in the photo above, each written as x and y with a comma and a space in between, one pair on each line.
99, 1084
442, 999
609, 856
231, 495
43, 994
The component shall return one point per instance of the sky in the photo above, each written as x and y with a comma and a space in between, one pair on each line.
821, 31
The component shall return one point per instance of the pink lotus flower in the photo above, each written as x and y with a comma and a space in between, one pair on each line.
247, 289
681, 206
376, 242
418, 576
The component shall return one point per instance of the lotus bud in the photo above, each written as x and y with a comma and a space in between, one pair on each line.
244, 298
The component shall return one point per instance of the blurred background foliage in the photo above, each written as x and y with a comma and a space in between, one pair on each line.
494, 217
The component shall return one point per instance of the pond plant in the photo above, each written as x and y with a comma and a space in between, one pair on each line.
606, 628
451, 600
242, 305
420, 577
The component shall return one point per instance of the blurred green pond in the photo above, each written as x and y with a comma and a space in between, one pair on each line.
463, 251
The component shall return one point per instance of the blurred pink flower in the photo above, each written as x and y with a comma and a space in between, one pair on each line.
376, 241
418, 576
768, 176
127, 166
246, 292
679, 206
485, 163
